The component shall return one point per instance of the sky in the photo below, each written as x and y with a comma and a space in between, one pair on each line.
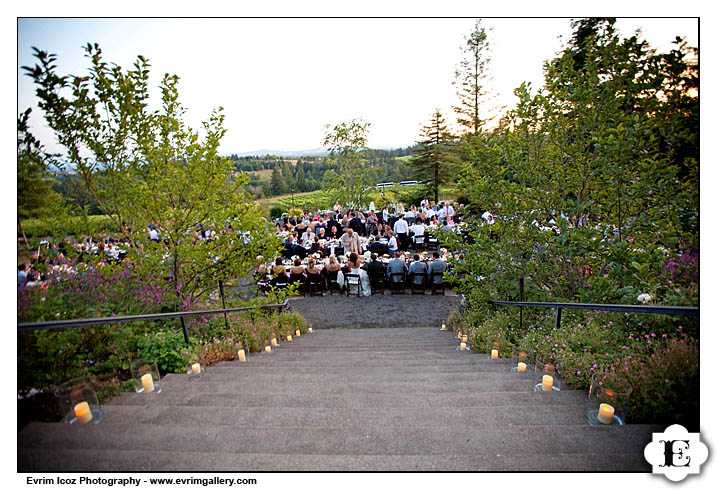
280, 81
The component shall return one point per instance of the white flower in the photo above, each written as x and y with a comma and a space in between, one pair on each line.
644, 298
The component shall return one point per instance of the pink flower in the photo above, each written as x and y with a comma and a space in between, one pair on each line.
667, 380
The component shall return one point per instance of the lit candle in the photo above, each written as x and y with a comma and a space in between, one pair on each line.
605, 413
267, 349
463, 346
289, 337
241, 355
297, 333
83, 413
522, 366
274, 341
494, 354
546, 383
465, 339
196, 368
147, 382
458, 334
443, 326
310, 330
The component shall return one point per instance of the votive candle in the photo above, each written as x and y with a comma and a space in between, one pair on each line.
289, 337
463, 346
267, 349
196, 368
522, 366
605, 413
274, 341
241, 355
494, 354
147, 382
310, 329
546, 383
297, 333
465, 338
443, 326
83, 413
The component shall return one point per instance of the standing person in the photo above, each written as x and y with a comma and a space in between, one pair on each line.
385, 215
21, 275
356, 224
350, 242
401, 229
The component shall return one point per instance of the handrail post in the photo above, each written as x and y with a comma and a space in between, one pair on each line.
184, 331
221, 293
521, 299
558, 318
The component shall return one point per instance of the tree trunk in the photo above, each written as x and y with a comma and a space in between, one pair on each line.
22, 231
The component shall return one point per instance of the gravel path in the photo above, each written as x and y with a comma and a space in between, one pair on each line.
376, 310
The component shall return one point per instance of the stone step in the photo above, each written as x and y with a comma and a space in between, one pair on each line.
117, 460
399, 399
332, 380
283, 417
253, 386
250, 369
374, 440
419, 363
344, 356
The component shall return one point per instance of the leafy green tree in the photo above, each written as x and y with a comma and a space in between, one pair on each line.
434, 162
471, 79
346, 141
277, 183
35, 195
147, 167
590, 151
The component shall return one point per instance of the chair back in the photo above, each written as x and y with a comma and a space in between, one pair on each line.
397, 282
437, 283
352, 281
418, 283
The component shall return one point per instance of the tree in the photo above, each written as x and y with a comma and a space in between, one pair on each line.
597, 150
470, 78
35, 196
345, 142
147, 167
434, 162
277, 185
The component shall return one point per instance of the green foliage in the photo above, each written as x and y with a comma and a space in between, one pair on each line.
146, 167
276, 212
346, 141
434, 162
54, 226
166, 347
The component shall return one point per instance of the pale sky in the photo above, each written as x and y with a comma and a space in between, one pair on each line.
281, 80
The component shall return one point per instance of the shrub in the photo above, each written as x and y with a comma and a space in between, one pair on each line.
166, 347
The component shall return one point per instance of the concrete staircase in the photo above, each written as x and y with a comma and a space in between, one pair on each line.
343, 399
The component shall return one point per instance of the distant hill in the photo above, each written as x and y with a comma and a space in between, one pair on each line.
314, 152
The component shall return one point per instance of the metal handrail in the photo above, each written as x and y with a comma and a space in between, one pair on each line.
62, 324
640, 309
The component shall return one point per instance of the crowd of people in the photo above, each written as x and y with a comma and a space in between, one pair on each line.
330, 247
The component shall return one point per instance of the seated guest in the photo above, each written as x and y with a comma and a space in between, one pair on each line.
396, 265
375, 268
418, 230
297, 268
417, 267
356, 224
446, 227
279, 268
308, 237
322, 234
334, 234
393, 245
312, 267
437, 266
317, 246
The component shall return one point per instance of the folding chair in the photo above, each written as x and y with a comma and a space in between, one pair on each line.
437, 287
352, 280
333, 283
432, 243
418, 242
376, 280
314, 285
397, 283
418, 287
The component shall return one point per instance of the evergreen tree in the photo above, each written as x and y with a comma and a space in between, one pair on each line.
434, 163
470, 78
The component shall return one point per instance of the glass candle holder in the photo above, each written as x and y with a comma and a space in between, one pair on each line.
547, 375
195, 366
274, 340
310, 329
146, 375
78, 401
297, 333
521, 358
288, 336
241, 351
499, 349
607, 402
267, 346
443, 326
463, 343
